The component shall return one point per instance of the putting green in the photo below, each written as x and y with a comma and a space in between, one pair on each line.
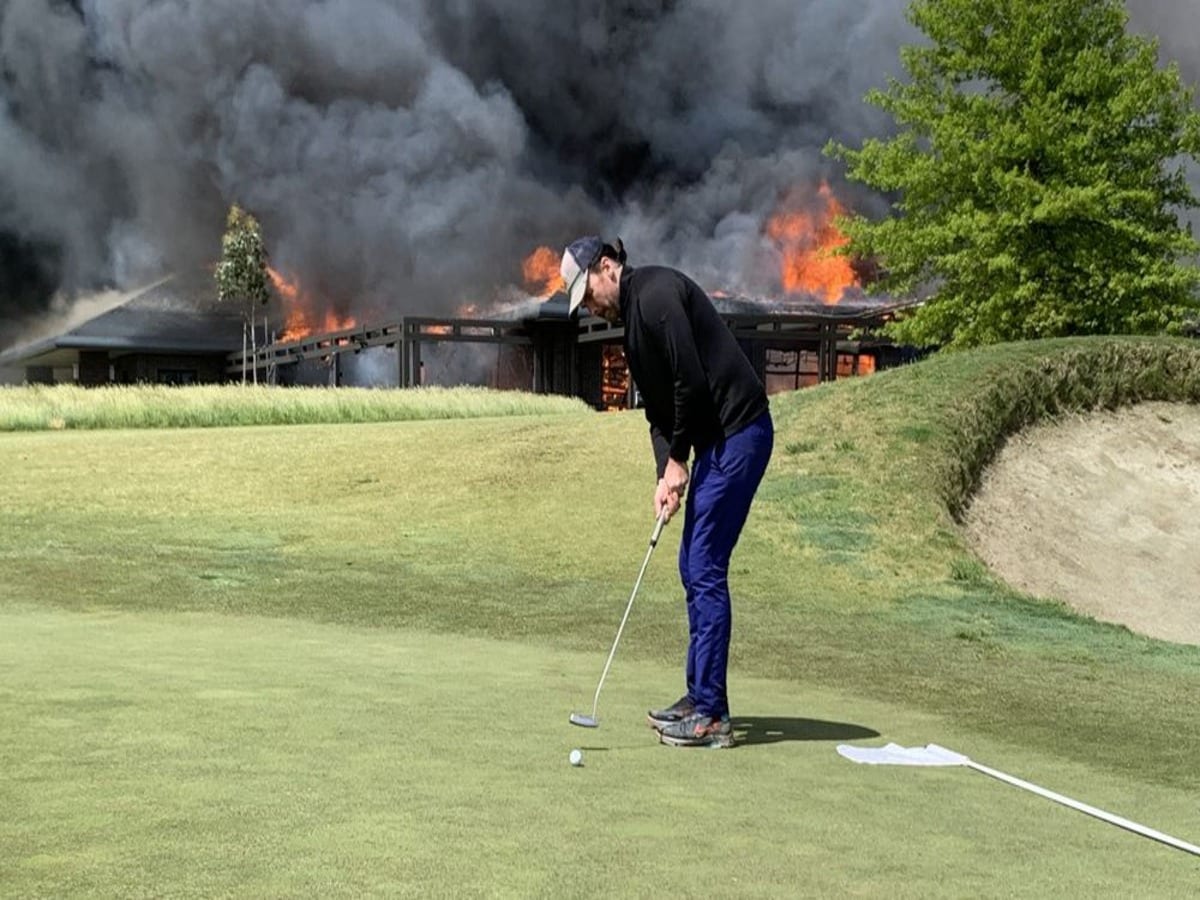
201, 755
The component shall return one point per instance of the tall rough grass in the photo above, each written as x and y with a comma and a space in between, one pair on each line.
40, 407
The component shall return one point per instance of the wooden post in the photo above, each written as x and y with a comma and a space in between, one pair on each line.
828, 354
406, 370
410, 354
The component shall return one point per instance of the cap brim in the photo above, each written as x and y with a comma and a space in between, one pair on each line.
577, 290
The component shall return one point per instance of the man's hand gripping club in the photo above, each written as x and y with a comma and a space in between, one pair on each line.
671, 488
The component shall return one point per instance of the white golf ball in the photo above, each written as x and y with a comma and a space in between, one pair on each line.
577, 757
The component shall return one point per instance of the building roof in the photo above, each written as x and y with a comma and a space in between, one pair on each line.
179, 314
860, 307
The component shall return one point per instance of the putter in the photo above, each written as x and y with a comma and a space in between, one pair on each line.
591, 721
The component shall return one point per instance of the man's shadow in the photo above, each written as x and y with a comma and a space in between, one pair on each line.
750, 730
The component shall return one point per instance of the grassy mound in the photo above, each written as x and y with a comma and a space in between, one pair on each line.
903, 449
1005, 389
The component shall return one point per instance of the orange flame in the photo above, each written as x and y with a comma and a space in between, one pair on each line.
302, 318
807, 242
540, 270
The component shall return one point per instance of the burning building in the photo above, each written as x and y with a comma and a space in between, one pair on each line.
822, 326
403, 158
818, 326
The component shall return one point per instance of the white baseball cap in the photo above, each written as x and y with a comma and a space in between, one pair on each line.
580, 255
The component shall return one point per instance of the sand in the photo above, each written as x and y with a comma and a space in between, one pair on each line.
1103, 512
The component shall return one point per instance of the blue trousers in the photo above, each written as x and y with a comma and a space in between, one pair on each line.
723, 481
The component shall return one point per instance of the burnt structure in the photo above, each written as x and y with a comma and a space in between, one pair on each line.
164, 334
549, 352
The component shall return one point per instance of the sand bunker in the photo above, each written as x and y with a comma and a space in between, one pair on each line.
1103, 512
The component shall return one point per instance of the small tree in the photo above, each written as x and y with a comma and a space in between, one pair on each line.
242, 275
1038, 176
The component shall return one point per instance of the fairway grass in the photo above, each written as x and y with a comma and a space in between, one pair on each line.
175, 754
326, 659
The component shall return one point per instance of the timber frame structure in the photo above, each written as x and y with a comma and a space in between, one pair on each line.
563, 355
173, 332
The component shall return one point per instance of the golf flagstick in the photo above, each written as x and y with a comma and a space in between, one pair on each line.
934, 755
590, 721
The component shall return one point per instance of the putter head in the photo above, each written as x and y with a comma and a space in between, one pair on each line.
584, 721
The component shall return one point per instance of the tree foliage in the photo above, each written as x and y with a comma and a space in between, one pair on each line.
1038, 171
242, 276
242, 272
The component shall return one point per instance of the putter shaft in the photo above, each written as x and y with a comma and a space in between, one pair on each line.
658, 527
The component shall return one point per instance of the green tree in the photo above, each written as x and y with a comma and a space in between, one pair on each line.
242, 275
1037, 173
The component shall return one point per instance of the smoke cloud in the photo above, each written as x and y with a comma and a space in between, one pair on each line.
405, 155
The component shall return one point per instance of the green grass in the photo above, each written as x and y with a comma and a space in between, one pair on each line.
496, 556
58, 407
169, 754
203, 755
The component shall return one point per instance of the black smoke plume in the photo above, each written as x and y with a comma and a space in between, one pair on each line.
404, 155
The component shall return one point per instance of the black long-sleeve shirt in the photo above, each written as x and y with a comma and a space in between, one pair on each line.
697, 384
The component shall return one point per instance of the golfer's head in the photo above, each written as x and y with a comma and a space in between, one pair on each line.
592, 272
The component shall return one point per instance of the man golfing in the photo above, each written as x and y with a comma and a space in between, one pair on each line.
706, 404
